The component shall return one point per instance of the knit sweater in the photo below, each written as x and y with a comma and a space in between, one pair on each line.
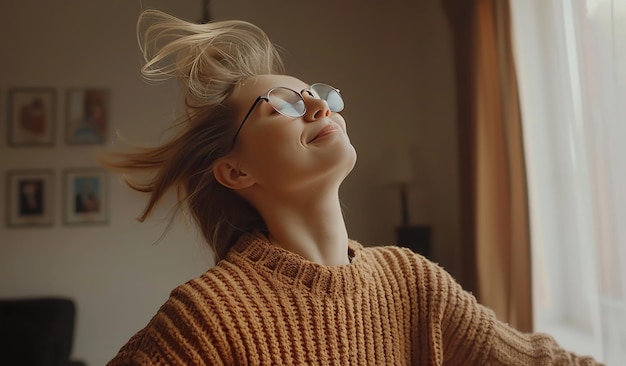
263, 305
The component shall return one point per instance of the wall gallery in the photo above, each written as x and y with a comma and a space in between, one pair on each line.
31, 124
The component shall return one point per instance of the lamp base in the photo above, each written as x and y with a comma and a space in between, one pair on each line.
416, 238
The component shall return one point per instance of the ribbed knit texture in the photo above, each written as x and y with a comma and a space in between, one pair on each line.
263, 305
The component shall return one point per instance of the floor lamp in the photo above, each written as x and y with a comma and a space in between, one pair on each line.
398, 172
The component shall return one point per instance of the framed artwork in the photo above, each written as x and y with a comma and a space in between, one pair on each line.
87, 116
30, 198
85, 197
31, 116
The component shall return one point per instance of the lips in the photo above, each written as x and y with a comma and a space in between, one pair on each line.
329, 129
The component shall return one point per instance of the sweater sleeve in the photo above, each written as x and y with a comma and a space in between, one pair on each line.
172, 337
471, 334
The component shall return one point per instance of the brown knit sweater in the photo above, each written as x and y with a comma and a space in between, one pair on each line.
263, 305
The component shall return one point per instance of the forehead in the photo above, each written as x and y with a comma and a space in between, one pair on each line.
249, 89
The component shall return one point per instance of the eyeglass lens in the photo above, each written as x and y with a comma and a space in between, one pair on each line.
330, 95
287, 102
290, 103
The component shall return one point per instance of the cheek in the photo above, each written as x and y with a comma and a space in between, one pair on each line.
270, 151
272, 137
274, 155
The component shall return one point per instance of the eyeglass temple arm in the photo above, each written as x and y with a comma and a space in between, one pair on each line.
245, 119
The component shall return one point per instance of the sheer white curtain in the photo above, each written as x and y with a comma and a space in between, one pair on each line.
571, 62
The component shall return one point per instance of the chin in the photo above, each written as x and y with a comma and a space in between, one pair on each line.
349, 159
338, 160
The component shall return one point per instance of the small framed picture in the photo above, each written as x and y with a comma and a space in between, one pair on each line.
87, 116
30, 198
85, 197
31, 117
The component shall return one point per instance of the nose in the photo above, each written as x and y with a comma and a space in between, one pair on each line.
315, 108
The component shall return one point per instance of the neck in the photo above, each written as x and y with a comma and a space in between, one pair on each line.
312, 228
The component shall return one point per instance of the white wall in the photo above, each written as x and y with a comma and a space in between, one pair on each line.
392, 61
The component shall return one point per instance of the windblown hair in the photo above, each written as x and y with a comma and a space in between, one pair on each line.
210, 60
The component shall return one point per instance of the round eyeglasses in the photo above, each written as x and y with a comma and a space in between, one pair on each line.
290, 103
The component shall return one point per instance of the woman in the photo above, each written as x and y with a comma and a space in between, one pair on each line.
258, 163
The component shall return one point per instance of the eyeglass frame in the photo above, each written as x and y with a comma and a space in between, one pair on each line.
266, 98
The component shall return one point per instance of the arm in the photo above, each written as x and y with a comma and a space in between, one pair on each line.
471, 334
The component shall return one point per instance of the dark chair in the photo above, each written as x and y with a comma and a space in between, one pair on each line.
37, 331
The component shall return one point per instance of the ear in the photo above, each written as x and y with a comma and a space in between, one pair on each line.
228, 174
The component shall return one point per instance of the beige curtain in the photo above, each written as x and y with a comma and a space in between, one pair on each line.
494, 206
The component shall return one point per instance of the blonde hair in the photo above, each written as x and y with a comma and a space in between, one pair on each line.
210, 60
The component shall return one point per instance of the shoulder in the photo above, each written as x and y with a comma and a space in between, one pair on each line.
419, 272
183, 327
392, 256
202, 294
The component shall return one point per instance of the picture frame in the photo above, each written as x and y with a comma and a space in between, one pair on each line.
87, 116
85, 196
30, 198
31, 117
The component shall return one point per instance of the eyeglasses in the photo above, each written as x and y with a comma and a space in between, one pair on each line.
290, 103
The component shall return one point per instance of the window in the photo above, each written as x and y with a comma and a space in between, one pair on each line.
571, 63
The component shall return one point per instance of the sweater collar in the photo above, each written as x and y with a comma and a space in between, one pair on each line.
293, 270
